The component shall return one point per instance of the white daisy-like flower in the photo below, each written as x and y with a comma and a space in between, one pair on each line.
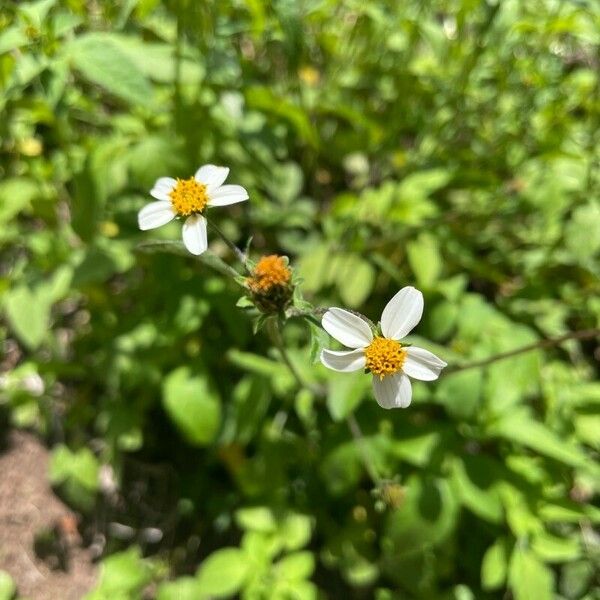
389, 361
190, 198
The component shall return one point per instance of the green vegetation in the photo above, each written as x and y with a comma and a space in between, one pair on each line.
451, 145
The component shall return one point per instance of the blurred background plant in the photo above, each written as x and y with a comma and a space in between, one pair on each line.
452, 145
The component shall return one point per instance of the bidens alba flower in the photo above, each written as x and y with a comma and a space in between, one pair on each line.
190, 198
270, 284
389, 361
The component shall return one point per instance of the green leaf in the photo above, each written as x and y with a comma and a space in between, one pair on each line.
123, 575
474, 478
529, 578
553, 549
28, 312
101, 61
184, 588
76, 473
576, 578
345, 391
298, 565
460, 393
192, 406
256, 518
355, 278
223, 573
495, 565
295, 530
425, 260
427, 516
519, 427
583, 232
7, 586
264, 99
16, 194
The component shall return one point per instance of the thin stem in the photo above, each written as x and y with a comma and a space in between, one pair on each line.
238, 253
274, 329
361, 444
583, 334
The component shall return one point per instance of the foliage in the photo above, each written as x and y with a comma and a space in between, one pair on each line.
452, 145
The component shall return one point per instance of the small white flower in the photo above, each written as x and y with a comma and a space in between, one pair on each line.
389, 361
190, 198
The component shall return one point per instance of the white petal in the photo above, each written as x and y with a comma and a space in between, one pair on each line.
155, 214
347, 328
422, 364
393, 391
162, 187
227, 194
211, 176
343, 361
402, 313
194, 234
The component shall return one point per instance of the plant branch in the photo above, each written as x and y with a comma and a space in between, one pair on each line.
274, 328
359, 440
583, 334
238, 253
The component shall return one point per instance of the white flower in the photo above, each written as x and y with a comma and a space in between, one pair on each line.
389, 361
190, 198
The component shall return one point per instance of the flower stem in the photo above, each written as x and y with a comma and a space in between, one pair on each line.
238, 253
274, 328
361, 444
583, 334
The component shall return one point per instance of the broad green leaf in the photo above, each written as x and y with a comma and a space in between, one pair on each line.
553, 549
576, 579
184, 588
12, 38
475, 480
416, 447
583, 232
529, 578
495, 565
298, 565
256, 518
295, 530
427, 516
28, 312
264, 99
345, 392
16, 194
460, 393
425, 259
122, 575
519, 427
96, 56
355, 278
222, 574
192, 406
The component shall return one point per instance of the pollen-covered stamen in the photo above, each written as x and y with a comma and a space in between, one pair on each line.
271, 271
188, 197
384, 356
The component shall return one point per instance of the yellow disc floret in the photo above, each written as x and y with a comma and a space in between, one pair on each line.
188, 197
270, 272
384, 356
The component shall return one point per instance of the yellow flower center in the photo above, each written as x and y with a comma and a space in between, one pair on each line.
384, 356
188, 197
270, 271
